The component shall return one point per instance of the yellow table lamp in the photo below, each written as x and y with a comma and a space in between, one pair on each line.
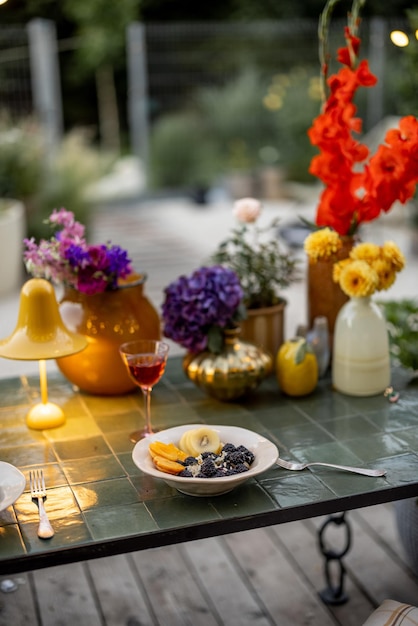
40, 334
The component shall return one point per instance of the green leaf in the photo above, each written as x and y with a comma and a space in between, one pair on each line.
215, 339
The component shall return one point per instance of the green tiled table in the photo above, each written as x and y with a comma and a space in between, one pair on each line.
100, 504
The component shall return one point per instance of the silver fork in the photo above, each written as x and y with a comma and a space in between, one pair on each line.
347, 468
38, 494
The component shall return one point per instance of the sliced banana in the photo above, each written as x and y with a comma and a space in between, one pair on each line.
203, 440
184, 442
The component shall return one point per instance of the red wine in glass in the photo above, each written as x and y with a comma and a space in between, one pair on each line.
145, 360
147, 369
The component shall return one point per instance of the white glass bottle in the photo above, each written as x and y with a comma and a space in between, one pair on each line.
360, 358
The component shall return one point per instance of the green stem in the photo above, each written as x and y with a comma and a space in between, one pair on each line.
323, 36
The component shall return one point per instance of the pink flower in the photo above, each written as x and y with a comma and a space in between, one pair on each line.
247, 210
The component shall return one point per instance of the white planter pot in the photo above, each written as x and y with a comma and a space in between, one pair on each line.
12, 232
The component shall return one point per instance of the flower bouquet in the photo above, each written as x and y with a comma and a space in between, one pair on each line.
369, 268
361, 363
197, 308
66, 258
358, 186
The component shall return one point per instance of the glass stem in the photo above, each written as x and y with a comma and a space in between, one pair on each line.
147, 405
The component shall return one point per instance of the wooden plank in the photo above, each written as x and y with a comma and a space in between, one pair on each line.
64, 597
230, 592
172, 591
380, 522
370, 562
300, 544
121, 599
285, 594
17, 608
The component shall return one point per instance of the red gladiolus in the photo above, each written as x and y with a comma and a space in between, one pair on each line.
358, 187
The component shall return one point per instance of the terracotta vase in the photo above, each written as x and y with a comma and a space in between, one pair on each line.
107, 319
325, 297
361, 361
265, 327
239, 368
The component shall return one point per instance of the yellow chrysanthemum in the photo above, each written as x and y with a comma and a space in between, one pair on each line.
337, 269
368, 252
391, 252
322, 244
358, 279
385, 272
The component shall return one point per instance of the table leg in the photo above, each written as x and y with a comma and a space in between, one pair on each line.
334, 591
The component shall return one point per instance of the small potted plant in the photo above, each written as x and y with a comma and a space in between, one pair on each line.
264, 270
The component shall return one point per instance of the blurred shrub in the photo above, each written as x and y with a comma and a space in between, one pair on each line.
402, 318
42, 183
250, 122
183, 154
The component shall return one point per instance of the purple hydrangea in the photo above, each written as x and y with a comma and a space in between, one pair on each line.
194, 304
67, 258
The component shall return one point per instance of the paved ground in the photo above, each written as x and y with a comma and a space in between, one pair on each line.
169, 237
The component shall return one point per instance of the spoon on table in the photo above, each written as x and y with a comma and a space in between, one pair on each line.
347, 468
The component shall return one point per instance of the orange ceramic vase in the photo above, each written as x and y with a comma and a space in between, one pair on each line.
107, 319
325, 297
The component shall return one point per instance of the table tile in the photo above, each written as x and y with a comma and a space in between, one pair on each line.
181, 510
96, 468
294, 489
108, 522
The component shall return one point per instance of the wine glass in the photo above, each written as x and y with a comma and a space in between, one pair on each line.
145, 360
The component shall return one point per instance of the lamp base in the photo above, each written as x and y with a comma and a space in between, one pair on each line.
45, 415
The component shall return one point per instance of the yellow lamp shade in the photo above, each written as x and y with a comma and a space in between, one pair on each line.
40, 332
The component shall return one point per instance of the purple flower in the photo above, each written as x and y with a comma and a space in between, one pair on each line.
67, 257
193, 305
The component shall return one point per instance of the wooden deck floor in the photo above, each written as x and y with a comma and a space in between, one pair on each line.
260, 577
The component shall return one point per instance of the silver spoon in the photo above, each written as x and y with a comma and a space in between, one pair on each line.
355, 470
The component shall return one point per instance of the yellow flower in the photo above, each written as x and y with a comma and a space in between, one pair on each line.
337, 269
368, 252
385, 272
358, 279
322, 244
391, 252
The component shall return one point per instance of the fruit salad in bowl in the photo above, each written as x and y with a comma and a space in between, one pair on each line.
203, 460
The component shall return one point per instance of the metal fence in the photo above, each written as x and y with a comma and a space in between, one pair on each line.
181, 58
15, 75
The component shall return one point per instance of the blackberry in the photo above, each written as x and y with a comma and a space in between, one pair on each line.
228, 447
190, 460
235, 458
207, 469
208, 455
241, 468
185, 473
248, 455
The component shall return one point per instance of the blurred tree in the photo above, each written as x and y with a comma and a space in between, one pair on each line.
101, 29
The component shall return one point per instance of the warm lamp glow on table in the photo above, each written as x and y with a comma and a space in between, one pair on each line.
40, 334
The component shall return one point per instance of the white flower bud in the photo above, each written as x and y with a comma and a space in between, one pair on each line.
247, 210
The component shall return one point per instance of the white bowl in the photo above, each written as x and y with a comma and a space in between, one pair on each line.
12, 484
265, 453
